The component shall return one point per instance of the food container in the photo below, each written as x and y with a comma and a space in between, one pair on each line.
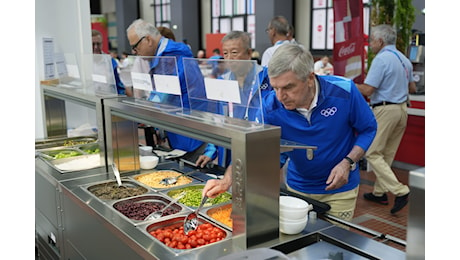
145, 150
221, 214
152, 179
207, 234
148, 162
136, 209
193, 197
64, 142
107, 191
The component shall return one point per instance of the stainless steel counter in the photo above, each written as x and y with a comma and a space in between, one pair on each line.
91, 228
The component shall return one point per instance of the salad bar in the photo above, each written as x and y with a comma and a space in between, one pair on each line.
83, 213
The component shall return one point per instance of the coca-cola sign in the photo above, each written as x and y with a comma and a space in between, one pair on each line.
347, 50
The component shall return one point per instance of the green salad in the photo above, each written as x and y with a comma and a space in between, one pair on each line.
192, 197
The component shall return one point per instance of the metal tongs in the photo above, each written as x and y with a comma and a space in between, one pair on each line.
191, 220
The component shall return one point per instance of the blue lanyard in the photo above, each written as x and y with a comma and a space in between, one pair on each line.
404, 66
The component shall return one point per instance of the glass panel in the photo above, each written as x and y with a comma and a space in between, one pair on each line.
215, 25
330, 28
319, 3
217, 90
156, 83
238, 24
68, 70
251, 22
240, 6
99, 77
251, 7
215, 8
318, 29
166, 12
227, 7
225, 25
158, 14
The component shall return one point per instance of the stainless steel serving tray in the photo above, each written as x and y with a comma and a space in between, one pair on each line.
92, 187
212, 209
155, 198
194, 180
62, 141
84, 152
177, 221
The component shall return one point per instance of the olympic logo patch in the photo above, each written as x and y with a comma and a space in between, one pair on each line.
330, 111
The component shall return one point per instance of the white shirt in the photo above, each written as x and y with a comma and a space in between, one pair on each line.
268, 53
320, 69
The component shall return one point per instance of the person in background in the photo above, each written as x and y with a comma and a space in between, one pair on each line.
387, 84
166, 32
96, 37
323, 67
236, 45
216, 54
125, 67
255, 56
146, 40
219, 69
324, 111
200, 54
278, 32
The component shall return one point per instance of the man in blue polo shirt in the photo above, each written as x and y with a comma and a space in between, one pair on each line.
328, 112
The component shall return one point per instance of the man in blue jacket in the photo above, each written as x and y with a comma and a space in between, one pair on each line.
146, 40
324, 111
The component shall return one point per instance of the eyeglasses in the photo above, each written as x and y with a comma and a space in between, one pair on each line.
267, 30
133, 47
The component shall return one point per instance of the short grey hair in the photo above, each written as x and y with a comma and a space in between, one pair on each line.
234, 35
280, 24
291, 57
385, 32
143, 28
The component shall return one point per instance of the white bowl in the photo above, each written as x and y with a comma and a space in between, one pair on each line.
293, 227
294, 214
293, 203
148, 162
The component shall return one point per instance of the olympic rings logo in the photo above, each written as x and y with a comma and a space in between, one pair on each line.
330, 111
264, 85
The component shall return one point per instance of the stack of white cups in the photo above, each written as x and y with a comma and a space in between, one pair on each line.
293, 214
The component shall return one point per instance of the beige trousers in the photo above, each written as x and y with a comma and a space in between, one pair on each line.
391, 124
342, 204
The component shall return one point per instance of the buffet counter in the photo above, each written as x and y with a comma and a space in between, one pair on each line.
90, 227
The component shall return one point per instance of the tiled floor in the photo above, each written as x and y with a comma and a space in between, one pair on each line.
377, 217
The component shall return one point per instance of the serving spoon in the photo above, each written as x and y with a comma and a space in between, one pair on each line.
159, 213
117, 174
191, 220
172, 180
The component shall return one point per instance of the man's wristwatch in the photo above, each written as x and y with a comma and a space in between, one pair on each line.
352, 163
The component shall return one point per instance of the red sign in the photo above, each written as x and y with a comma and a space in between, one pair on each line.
349, 39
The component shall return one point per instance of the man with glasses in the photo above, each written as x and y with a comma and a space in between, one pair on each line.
147, 41
97, 49
278, 32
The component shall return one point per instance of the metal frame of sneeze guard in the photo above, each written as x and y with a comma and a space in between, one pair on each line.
156, 83
213, 87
